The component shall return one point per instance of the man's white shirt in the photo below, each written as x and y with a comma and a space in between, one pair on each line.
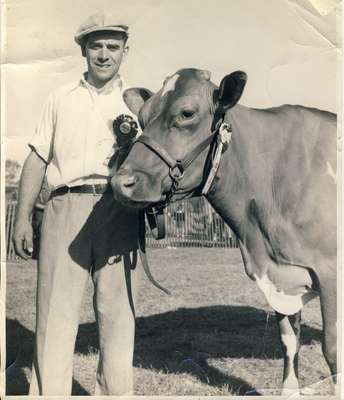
74, 134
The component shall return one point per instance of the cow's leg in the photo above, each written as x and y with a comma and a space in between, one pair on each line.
289, 326
328, 300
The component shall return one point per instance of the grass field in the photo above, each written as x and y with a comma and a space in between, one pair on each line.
214, 336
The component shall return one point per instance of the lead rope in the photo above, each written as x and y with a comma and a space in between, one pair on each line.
142, 252
125, 129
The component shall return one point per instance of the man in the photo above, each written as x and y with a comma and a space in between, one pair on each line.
84, 232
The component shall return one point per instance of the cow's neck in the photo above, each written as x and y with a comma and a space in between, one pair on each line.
239, 191
232, 188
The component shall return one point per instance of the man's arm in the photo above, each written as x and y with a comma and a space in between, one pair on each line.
30, 185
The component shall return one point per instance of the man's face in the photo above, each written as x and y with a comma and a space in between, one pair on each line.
104, 52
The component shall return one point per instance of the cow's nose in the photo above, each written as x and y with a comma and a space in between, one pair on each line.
126, 177
129, 181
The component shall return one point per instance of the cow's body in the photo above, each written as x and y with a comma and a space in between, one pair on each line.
281, 202
275, 187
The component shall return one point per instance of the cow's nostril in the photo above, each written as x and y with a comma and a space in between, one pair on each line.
130, 181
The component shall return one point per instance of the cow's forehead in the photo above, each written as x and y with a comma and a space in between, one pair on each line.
184, 80
187, 82
170, 84
190, 83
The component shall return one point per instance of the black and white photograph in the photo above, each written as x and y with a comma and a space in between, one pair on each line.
171, 198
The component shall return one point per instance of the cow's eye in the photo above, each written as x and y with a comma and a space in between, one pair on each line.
187, 114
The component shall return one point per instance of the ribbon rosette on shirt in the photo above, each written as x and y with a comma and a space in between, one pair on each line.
125, 129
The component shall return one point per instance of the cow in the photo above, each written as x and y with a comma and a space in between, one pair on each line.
275, 186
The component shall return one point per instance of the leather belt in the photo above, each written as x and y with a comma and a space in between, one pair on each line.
87, 189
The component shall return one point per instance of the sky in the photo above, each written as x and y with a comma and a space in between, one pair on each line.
288, 48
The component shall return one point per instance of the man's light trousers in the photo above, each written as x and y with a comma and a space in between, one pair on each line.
83, 236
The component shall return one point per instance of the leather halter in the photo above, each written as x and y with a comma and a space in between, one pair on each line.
177, 167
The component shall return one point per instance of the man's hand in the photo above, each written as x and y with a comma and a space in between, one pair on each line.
30, 185
23, 237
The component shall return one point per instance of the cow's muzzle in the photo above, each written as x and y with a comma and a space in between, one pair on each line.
123, 184
127, 178
132, 188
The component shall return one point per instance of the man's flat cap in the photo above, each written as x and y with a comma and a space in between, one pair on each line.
98, 23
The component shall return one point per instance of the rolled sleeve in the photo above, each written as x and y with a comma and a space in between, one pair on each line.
42, 140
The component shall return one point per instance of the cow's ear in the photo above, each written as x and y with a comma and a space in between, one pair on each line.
134, 98
231, 88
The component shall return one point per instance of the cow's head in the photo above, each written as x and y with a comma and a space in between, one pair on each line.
178, 117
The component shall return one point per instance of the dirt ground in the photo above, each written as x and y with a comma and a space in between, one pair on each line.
215, 335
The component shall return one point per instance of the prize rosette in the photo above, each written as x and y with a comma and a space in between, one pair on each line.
125, 129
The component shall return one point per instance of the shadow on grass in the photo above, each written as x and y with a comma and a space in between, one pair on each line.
183, 340
19, 355
175, 342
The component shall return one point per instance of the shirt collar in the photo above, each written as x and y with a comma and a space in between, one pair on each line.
115, 82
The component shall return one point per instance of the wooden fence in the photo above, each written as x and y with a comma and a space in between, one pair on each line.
193, 223
189, 223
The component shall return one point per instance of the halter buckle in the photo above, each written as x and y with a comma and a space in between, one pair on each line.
177, 171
